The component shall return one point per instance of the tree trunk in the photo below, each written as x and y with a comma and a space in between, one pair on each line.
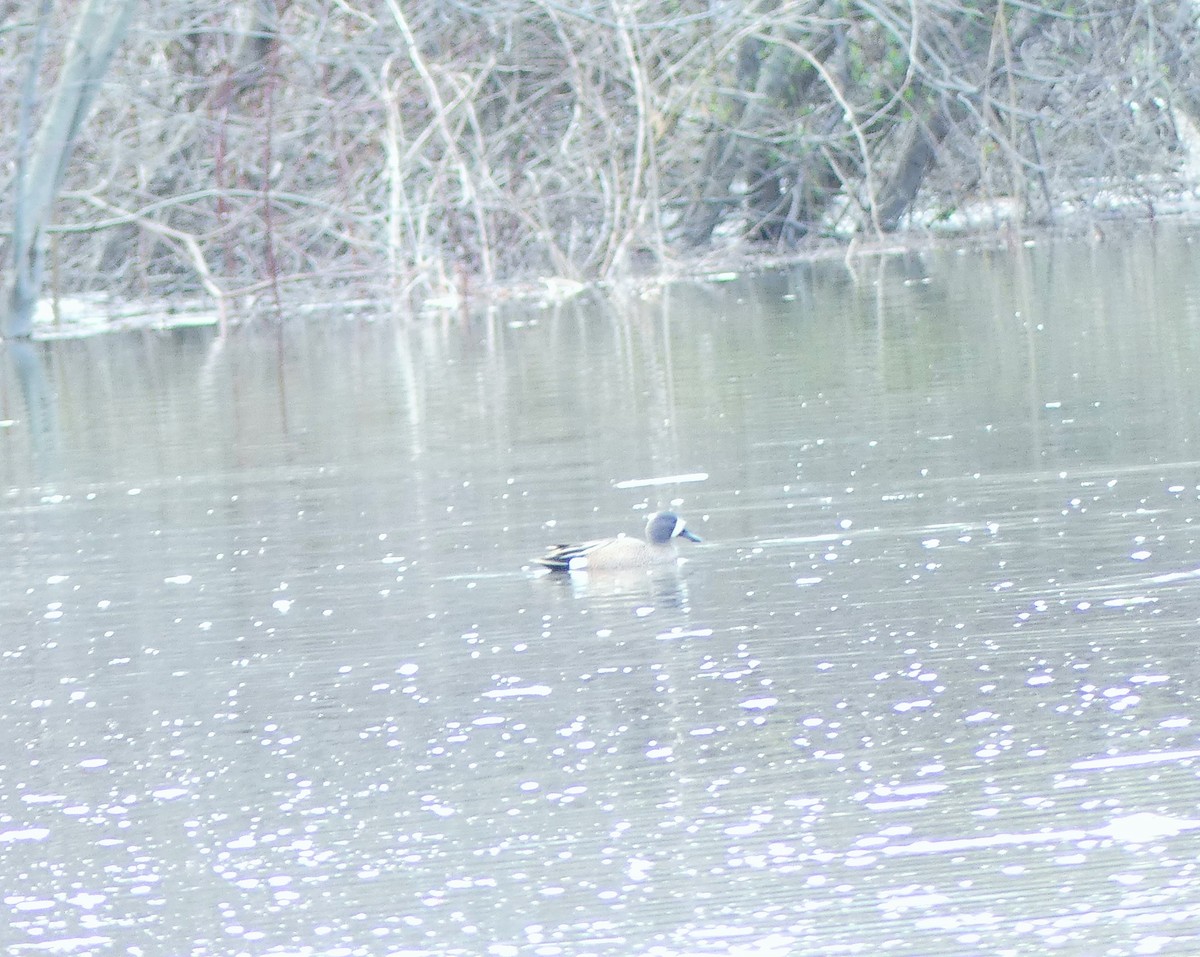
98, 31
778, 82
916, 158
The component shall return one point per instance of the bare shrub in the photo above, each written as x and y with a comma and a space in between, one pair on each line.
298, 151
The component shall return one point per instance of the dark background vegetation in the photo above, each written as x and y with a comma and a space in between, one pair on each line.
287, 148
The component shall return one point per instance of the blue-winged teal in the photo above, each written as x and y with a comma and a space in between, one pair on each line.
622, 552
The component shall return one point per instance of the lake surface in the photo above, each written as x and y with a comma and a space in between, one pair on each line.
278, 677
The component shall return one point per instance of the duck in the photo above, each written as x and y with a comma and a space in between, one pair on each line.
623, 552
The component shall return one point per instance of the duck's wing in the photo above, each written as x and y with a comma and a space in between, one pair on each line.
571, 555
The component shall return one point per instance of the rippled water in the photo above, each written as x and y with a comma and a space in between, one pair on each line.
280, 679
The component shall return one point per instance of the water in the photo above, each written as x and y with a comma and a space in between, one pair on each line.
280, 680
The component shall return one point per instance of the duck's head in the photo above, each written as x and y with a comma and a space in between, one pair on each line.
661, 527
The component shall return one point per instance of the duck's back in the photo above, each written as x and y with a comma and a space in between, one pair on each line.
561, 557
608, 553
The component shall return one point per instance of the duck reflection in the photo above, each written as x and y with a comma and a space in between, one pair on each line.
660, 587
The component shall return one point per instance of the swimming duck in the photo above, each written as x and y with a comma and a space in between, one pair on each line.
623, 552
